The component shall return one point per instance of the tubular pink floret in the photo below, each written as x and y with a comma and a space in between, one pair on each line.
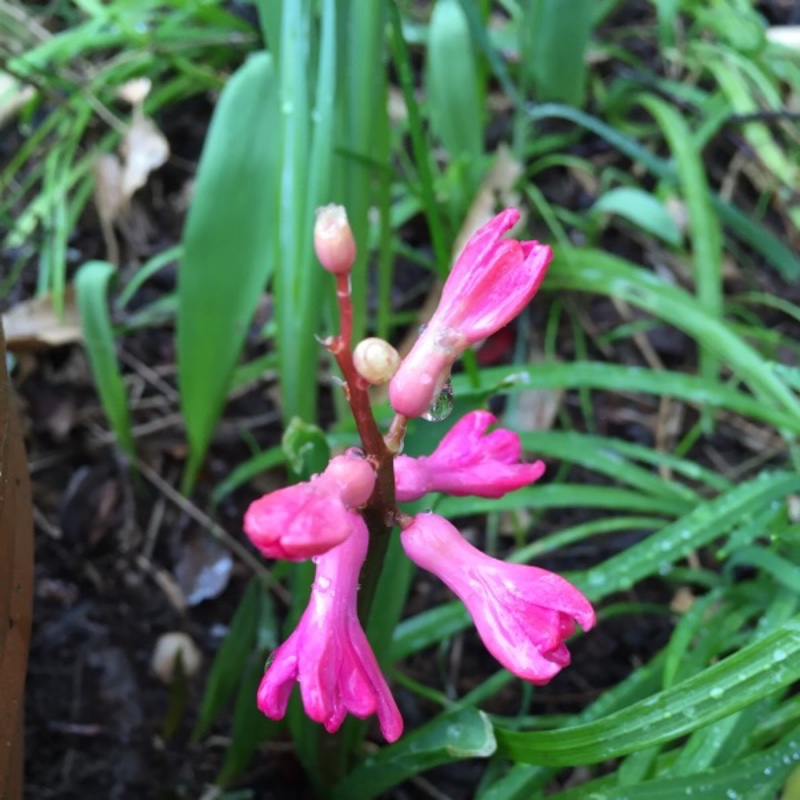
468, 462
328, 653
522, 613
491, 282
309, 518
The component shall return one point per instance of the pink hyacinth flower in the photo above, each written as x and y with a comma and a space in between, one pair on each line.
328, 653
523, 614
491, 282
467, 462
310, 518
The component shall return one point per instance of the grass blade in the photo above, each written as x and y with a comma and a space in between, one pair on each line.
91, 290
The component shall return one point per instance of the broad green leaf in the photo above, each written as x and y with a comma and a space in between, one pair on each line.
250, 726
305, 448
452, 85
461, 734
622, 378
642, 209
226, 248
230, 661
704, 224
91, 291
553, 49
758, 670
757, 777
305, 140
677, 540
521, 780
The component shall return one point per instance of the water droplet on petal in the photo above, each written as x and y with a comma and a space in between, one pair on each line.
322, 584
422, 328
441, 407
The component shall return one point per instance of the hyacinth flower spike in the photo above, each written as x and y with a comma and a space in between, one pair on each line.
522, 613
309, 518
491, 282
468, 461
328, 653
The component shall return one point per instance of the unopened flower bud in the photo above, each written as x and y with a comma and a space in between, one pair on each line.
333, 240
376, 361
171, 646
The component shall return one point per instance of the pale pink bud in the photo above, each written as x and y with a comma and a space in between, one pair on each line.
491, 282
523, 614
309, 518
328, 653
468, 461
333, 240
352, 476
375, 360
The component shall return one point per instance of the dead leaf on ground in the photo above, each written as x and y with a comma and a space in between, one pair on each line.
497, 185
144, 149
35, 324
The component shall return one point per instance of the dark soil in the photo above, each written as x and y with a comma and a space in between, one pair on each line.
109, 541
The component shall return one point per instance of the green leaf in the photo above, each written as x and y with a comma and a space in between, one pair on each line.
595, 271
452, 83
739, 224
305, 448
620, 378
465, 733
91, 290
226, 248
232, 657
758, 670
553, 49
242, 473
250, 726
642, 209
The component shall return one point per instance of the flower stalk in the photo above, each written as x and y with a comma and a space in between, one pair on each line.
344, 517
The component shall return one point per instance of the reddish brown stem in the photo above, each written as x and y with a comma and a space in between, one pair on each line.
381, 508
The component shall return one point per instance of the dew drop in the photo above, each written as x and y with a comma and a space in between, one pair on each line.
716, 693
322, 584
441, 407
421, 328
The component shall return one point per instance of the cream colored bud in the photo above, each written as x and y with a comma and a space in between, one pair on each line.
376, 361
333, 240
165, 656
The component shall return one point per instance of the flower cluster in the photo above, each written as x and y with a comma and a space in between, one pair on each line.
522, 613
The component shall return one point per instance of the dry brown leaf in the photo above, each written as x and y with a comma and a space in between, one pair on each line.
108, 196
497, 185
35, 325
135, 91
144, 148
